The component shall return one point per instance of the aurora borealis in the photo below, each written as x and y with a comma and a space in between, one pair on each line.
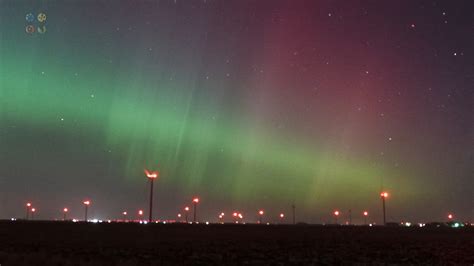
248, 104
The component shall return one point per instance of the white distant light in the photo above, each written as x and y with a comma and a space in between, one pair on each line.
94, 221
74, 220
13, 219
207, 223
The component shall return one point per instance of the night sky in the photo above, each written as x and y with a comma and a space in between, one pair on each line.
247, 104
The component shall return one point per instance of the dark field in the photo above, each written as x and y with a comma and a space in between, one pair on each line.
60, 243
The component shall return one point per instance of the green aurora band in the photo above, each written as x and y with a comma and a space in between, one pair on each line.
192, 150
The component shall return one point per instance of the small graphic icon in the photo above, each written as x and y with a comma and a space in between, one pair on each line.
42, 29
41, 17
30, 29
30, 17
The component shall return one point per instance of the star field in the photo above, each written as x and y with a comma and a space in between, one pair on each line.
248, 104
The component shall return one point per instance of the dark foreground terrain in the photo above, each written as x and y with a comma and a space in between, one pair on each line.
64, 243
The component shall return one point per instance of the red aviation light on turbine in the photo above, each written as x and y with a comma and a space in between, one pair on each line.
152, 174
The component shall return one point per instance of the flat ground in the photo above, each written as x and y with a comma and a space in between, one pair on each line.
65, 243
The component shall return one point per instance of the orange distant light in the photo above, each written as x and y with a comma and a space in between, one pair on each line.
384, 194
186, 208
235, 214
336, 213
151, 174
260, 212
366, 213
124, 213
450, 216
33, 209
65, 210
87, 202
222, 214
28, 204
196, 200
140, 212
282, 215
